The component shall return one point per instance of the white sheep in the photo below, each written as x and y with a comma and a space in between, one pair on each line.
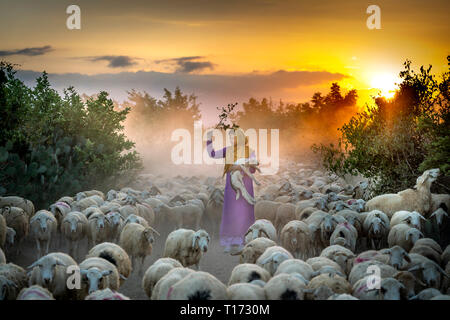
198, 286
333, 281
344, 296
245, 291
341, 255
114, 254
137, 241
261, 228
213, 210
347, 233
156, 271
403, 236
418, 199
412, 219
318, 263
247, 272
428, 271
254, 249
74, 229
43, 226
273, 257
50, 272
266, 209
16, 218
285, 287
18, 202
97, 231
35, 293
83, 204
440, 201
163, 286
115, 225
97, 274
187, 246
183, 215
360, 270
390, 289
132, 218
12, 279
285, 213
106, 294
376, 228
295, 237
298, 266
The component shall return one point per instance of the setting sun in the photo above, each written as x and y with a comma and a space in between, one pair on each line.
386, 83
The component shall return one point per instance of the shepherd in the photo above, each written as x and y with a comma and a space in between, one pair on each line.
238, 211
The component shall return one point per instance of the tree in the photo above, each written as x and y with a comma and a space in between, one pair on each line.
54, 145
397, 139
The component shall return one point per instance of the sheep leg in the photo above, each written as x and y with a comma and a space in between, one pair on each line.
38, 248
47, 246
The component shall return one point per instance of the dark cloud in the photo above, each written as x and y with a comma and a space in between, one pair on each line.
115, 61
188, 64
35, 51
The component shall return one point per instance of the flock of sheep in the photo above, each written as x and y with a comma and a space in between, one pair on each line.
315, 237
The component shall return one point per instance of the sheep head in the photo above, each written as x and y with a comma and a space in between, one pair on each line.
114, 218
47, 268
95, 278
10, 235
73, 222
42, 220
201, 239
413, 219
396, 255
414, 234
5, 285
431, 273
439, 215
428, 177
409, 281
148, 234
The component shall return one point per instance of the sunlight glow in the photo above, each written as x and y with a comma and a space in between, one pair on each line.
386, 83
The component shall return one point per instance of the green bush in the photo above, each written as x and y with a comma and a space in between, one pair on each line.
395, 141
52, 145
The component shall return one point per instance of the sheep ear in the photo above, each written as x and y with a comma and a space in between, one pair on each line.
34, 264
194, 239
441, 270
60, 263
416, 267
122, 277
263, 262
406, 257
264, 231
106, 272
419, 281
407, 235
12, 283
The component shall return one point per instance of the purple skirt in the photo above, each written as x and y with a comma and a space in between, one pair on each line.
237, 215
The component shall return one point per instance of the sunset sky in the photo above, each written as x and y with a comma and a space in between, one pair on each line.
224, 51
